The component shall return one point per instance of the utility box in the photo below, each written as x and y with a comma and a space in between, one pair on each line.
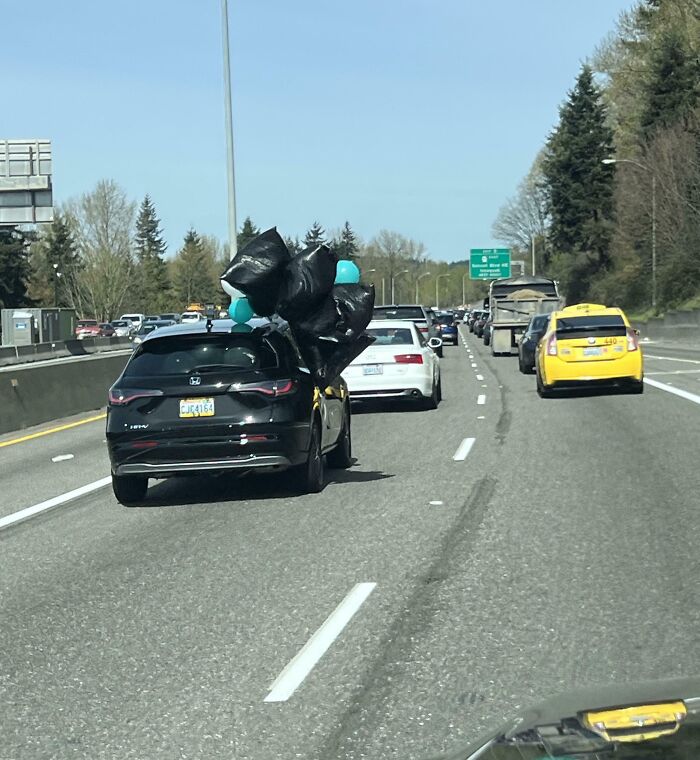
47, 326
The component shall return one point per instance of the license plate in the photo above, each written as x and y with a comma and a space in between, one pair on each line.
593, 351
196, 407
372, 369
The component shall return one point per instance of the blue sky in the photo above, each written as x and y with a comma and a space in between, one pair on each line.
414, 115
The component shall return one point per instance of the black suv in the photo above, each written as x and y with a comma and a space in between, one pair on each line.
193, 400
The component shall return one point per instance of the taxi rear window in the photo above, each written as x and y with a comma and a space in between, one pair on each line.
602, 325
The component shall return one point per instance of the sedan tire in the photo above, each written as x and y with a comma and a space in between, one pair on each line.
129, 490
341, 456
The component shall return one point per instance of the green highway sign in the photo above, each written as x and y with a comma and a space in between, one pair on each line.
489, 263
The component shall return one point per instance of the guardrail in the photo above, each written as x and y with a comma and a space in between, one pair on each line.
36, 352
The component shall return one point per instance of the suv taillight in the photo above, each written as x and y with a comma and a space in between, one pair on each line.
118, 397
632, 342
266, 387
552, 345
408, 359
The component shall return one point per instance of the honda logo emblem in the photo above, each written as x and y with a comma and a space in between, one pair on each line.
195, 380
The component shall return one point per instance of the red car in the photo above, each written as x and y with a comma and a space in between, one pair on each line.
87, 328
106, 330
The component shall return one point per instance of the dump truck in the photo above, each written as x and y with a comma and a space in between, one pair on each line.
512, 301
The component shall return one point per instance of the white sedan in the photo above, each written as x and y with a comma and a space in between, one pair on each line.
400, 364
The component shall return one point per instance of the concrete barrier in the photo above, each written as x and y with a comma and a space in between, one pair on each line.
31, 394
42, 351
680, 326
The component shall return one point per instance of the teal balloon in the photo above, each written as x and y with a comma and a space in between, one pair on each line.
240, 310
239, 328
346, 273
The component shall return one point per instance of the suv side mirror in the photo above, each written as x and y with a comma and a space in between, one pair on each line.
435, 343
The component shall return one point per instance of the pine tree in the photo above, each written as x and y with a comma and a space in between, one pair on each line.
346, 245
293, 245
15, 269
580, 187
248, 232
672, 87
55, 265
153, 283
194, 278
315, 235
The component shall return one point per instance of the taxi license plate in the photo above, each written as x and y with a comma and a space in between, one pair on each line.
196, 407
372, 369
593, 351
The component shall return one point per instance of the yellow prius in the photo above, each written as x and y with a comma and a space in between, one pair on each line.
588, 345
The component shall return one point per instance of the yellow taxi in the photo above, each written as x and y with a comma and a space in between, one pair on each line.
586, 345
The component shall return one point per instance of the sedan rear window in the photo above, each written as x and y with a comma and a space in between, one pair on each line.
601, 325
399, 312
446, 319
181, 355
392, 336
87, 323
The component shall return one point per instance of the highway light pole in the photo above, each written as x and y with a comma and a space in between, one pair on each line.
393, 281
653, 217
437, 289
418, 279
464, 289
232, 238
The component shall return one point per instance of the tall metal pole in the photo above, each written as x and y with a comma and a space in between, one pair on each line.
533, 255
653, 241
232, 239
437, 289
464, 292
383, 291
418, 279
393, 299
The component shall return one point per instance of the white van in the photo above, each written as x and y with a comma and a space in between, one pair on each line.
135, 319
190, 316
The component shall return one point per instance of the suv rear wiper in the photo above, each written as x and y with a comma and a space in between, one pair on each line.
214, 367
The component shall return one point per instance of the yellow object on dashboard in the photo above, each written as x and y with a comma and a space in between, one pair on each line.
637, 723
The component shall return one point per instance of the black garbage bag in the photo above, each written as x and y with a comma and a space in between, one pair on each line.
308, 279
355, 304
258, 269
321, 322
337, 356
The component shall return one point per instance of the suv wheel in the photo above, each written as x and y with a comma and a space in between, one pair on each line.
129, 490
341, 456
310, 476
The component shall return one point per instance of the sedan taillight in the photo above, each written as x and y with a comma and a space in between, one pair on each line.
632, 342
118, 397
408, 359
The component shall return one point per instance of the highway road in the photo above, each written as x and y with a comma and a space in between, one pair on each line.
475, 559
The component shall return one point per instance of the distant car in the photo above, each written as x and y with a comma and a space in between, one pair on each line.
123, 328
135, 319
192, 401
87, 328
152, 318
486, 332
421, 316
480, 323
400, 364
175, 317
473, 316
527, 344
107, 330
448, 328
589, 345
191, 316
459, 315
148, 327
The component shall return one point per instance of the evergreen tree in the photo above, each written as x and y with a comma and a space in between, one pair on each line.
15, 269
248, 232
672, 87
153, 282
580, 188
194, 273
55, 265
315, 235
293, 245
346, 245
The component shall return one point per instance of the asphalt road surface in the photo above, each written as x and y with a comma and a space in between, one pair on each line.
559, 547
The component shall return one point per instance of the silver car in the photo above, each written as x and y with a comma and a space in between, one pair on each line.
123, 328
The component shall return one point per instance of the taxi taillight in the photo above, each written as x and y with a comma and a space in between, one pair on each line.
552, 345
632, 342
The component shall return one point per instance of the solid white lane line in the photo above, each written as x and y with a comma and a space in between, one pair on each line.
672, 359
675, 372
304, 661
57, 501
479, 377
481, 399
464, 449
675, 391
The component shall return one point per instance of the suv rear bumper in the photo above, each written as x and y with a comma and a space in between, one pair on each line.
165, 469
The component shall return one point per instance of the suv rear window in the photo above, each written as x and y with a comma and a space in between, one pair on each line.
399, 312
182, 354
446, 319
87, 323
590, 325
